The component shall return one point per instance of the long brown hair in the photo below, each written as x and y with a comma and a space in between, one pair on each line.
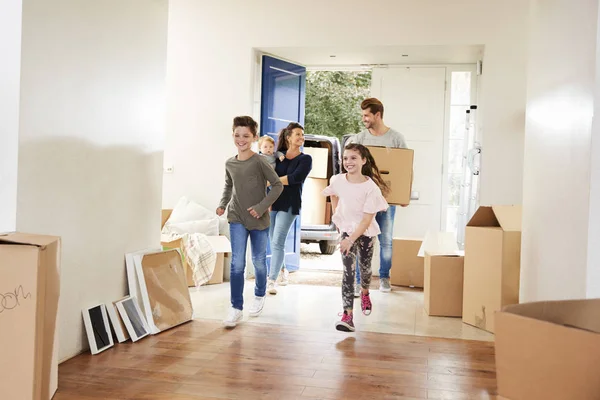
370, 168
282, 143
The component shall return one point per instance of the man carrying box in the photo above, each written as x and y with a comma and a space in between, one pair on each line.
378, 134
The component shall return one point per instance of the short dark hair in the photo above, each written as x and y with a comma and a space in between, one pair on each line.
373, 104
246, 121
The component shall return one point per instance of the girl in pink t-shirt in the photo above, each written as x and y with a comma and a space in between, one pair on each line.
356, 197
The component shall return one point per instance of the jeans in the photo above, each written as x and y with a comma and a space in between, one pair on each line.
385, 220
239, 240
281, 222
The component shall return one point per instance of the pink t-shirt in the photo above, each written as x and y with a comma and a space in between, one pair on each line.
355, 200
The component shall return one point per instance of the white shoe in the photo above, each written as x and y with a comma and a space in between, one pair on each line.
271, 289
285, 277
233, 318
257, 306
357, 290
384, 285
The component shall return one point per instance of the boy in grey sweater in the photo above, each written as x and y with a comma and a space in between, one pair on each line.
246, 200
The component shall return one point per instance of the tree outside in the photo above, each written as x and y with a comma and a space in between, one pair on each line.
333, 101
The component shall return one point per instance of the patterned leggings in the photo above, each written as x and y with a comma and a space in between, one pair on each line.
363, 250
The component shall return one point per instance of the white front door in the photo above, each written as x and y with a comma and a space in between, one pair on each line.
414, 104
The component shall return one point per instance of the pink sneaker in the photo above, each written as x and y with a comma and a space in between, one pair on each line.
346, 324
365, 303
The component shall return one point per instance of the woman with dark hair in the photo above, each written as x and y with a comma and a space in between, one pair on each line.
292, 172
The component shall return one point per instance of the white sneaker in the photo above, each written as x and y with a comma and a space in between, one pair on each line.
285, 277
384, 285
271, 289
357, 290
257, 306
233, 318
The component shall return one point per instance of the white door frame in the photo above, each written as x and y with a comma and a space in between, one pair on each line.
474, 84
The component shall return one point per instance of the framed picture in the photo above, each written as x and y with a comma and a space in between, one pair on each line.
117, 323
97, 328
132, 317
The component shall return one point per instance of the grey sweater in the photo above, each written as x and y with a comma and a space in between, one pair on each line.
245, 187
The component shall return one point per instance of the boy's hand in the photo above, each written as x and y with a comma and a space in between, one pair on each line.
281, 158
253, 213
220, 211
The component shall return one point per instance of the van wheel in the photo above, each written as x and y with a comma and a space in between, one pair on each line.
327, 247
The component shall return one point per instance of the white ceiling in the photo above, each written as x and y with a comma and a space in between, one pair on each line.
355, 56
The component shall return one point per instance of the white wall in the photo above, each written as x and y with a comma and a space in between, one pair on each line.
10, 71
593, 260
556, 182
92, 124
210, 73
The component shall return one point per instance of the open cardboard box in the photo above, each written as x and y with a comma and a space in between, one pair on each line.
220, 243
492, 264
549, 350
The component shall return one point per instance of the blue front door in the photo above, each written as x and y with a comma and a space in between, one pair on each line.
282, 102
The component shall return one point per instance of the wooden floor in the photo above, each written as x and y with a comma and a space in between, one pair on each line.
201, 360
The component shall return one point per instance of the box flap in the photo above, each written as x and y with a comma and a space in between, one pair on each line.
506, 217
439, 244
28, 239
509, 217
220, 244
581, 314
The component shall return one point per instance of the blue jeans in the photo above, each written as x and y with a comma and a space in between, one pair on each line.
385, 220
281, 222
239, 240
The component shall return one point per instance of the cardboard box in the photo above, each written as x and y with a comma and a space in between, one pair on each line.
443, 291
313, 202
320, 161
549, 350
492, 264
407, 266
30, 289
396, 167
222, 247
328, 211
220, 243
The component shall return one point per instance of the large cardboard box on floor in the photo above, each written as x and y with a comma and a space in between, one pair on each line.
407, 266
396, 167
320, 161
220, 243
549, 350
492, 264
29, 293
313, 202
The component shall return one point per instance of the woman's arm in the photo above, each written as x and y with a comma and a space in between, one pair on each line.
300, 173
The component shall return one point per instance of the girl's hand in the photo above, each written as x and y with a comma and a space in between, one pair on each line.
346, 245
220, 211
253, 213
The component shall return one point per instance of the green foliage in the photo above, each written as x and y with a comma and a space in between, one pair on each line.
333, 101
